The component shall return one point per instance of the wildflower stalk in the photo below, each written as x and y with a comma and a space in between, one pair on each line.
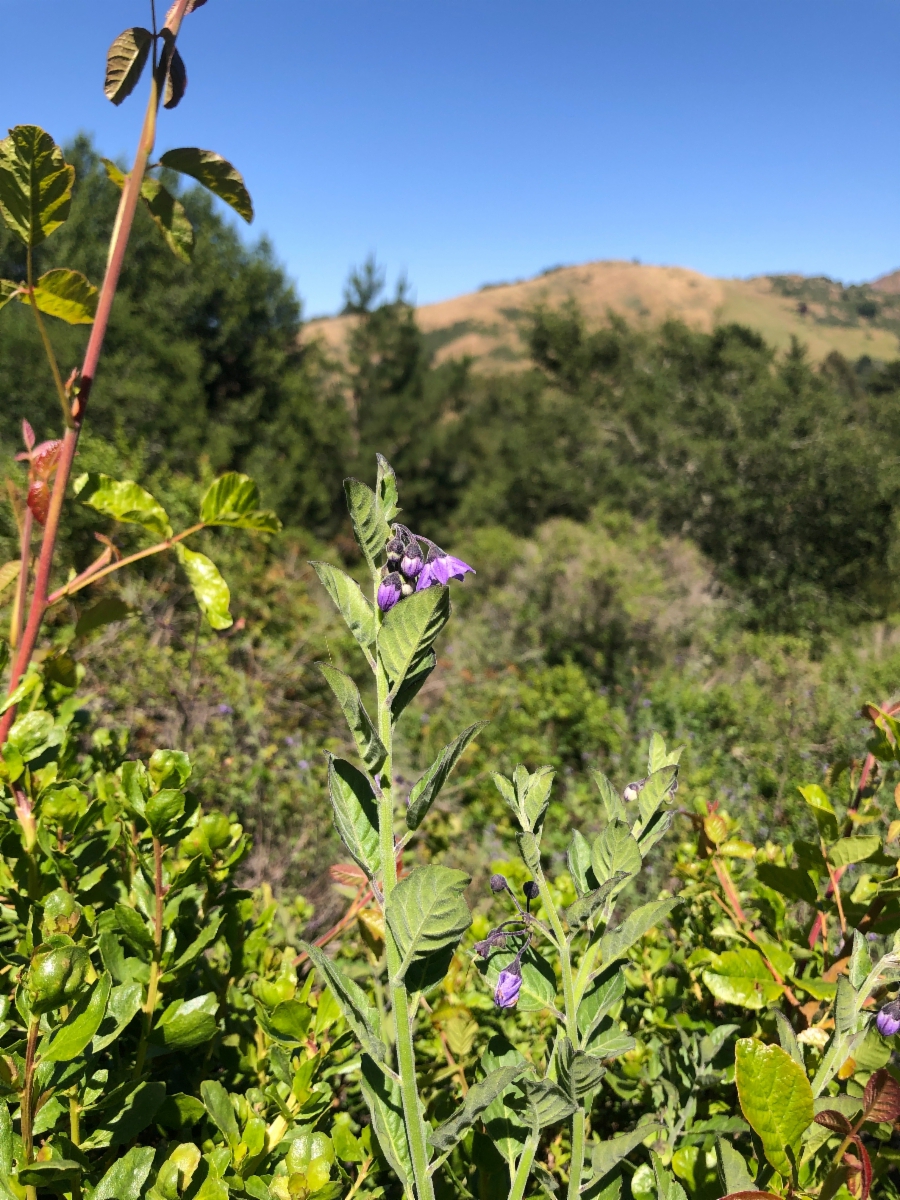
406, 1060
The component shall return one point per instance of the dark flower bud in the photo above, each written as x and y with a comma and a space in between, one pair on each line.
508, 987
531, 890
395, 550
888, 1020
498, 883
390, 590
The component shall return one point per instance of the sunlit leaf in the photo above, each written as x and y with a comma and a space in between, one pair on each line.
425, 791
210, 589
35, 184
216, 174
123, 500
9, 573
479, 1097
741, 977
8, 290
776, 1099
369, 744
360, 1015
125, 62
66, 295
347, 595
355, 813
426, 911
616, 942
168, 213
386, 1108
409, 629
233, 500
80, 1026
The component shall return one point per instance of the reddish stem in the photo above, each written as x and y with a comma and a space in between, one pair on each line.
15, 633
121, 232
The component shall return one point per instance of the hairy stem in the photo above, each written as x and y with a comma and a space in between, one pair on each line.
523, 1170
118, 244
406, 1059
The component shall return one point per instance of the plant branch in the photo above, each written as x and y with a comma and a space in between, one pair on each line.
18, 612
121, 232
97, 570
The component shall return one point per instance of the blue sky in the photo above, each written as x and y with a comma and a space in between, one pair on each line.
483, 140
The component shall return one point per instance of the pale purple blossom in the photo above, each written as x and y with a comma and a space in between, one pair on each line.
440, 568
390, 591
888, 1020
508, 987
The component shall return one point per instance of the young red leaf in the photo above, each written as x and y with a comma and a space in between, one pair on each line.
834, 1120
44, 458
860, 1171
881, 1099
39, 500
27, 435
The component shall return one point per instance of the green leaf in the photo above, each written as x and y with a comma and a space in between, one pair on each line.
368, 743
741, 977
617, 942
162, 809
347, 595
788, 1039
425, 791
606, 993
123, 500
187, 1023
207, 935
176, 76
426, 912
658, 757
234, 500
655, 792
548, 1104
409, 629
533, 796
209, 588
502, 1121
579, 1073
733, 1173
860, 960
8, 291
132, 1115
358, 1012
851, 850
606, 1156
123, 1006
792, 882
168, 213
538, 979
582, 910
135, 930
666, 1186
35, 184
355, 813
169, 768
45, 1175
578, 860
529, 851
217, 1103
125, 62
104, 612
615, 852
776, 1099
64, 294
32, 734
612, 801
419, 670
823, 811
215, 173
383, 1100
479, 1097
371, 529
289, 1021
80, 1026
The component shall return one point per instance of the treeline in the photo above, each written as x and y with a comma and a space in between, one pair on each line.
785, 473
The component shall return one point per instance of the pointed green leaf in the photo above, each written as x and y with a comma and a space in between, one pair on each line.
123, 1006
776, 1099
425, 791
207, 935
355, 813
617, 942
615, 852
426, 911
215, 173
612, 801
125, 1179
582, 910
606, 1156
383, 1099
187, 1023
578, 860
548, 1104
123, 500
104, 612
8, 290
218, 1104
167, 212
386, 489
655, 792
358, 1012
579, 1073
666, 1186
176, 78
534, 795
419, 670
82, 1023
371, 529
502, 1121
606, 993
210, 589
347, 595
233, 499
733, 1173
409, 630
792, 882
851, 850
35, 184
369, 744
659, 757
860, 960
479, 1097
788, 1039
823, 811
538, 989
66, 295
125, 62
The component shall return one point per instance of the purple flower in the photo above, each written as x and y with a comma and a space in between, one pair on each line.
389, 591
888, 1020
412, 562
226, 710
303, 764
440, 568
508, 987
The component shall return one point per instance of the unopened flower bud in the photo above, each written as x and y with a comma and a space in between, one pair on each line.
412, 562
498, 883
395, 550
888, 1020
531, 890
508, 987
390, 590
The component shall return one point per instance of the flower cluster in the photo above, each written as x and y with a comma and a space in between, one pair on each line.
509, 982
413, 564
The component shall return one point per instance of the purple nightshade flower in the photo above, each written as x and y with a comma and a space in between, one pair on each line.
395, 550
412, 561
226, 710
888, 1020
508, 987
440, 568
390, 590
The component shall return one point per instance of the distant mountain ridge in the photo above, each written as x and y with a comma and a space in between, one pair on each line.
857, 320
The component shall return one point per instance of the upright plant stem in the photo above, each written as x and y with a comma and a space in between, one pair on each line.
18, 612
524, 1168
406, 1059
153, 984
118, 244
34, 1027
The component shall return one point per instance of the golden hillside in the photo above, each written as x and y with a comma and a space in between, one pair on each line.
822, 314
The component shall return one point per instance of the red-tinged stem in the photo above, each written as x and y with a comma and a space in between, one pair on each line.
98, 570
118, 244
18, 612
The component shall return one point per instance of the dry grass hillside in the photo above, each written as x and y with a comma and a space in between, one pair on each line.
822, 314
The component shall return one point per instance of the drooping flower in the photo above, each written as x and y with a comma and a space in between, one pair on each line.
390, 591
395, 550
888, 1020
440, 567
498, 883
508, 987
412, 562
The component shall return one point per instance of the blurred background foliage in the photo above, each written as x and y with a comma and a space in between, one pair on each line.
672, 530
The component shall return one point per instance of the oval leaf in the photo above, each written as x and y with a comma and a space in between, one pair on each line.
209, 588
776, 1099
123, 500
35, 184
125, 62
68, 1041
176, 79
64, 294
426, 912
216, 174
234, 500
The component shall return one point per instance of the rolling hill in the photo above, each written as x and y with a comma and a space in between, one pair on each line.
859, 320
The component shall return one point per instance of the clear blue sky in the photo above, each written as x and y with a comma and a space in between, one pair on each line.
483, 140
